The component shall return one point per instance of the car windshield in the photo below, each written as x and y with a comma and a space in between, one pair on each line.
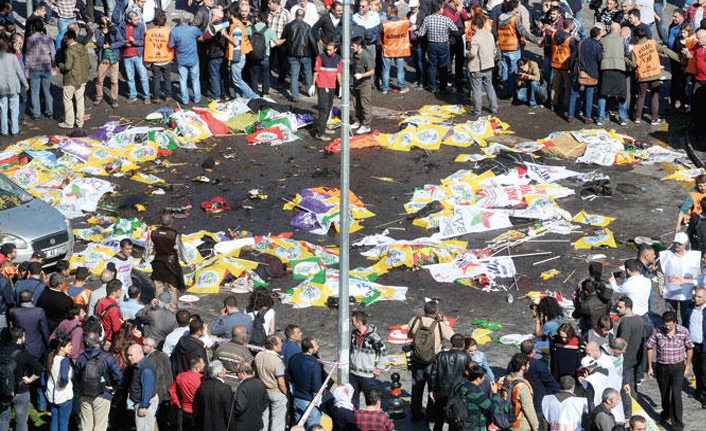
12, 195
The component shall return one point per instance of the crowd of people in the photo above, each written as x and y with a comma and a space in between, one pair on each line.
227, 49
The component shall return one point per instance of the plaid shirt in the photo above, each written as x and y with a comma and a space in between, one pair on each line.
39, 52
373, 420
277, 21
63, 8
437, 28
670, 350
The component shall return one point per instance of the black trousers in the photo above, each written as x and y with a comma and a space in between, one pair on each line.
669, 379
439, 417
278, 60
699, 364
458, 58
325, 104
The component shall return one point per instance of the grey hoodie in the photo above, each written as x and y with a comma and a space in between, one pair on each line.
504, 21
12, 80
367, 352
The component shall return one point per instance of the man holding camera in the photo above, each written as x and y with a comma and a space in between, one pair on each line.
108, 44
426, 332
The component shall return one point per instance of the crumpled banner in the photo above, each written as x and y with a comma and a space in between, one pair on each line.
603, 239
682, 174
320, 207
593, 219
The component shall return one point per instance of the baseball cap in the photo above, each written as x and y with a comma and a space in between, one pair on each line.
681, 238
588, 362
413, 3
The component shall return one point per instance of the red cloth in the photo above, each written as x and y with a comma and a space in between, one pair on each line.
699, 53
129, 51
111, 320
183, 389
216, 126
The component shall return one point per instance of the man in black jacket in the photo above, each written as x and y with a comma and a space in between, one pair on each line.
299, 45
27, 372
327, 27
189, 346
251, 400
448, 366
163, 377
212, 401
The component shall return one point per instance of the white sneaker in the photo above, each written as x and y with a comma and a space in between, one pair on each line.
355, 125
362, 130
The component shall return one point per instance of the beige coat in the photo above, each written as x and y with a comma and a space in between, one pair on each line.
446, 331
481, 51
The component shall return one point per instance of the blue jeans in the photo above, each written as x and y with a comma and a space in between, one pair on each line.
588, 101
236, 70
21, 405
23, 106
420, 377
41, 78
386, 66
186, 72
622, 109
659, 10
63, 23
9, 103
60, 414
296, 63
260, 73
438, 54
361, 384
214, 72
522, 93
300, 407
418, 62
508, 70
547, 69
132, 64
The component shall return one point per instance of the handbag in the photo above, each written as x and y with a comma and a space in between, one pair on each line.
584, 78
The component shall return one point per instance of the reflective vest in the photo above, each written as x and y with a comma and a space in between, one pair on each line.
696, 207
395, 39
507, 36
647, 60
487, 26
561, 53
691, 65
157, 48
245, 45
82, 298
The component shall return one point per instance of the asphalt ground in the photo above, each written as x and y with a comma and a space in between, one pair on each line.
285, 170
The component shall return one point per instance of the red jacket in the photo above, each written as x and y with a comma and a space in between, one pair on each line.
183, 389
111, 320
699, 53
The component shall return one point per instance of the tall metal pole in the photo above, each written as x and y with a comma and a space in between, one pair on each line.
343, 319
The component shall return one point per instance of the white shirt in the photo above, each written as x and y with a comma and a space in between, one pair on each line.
647, 11
335, 21
311, 15
124, 274
369, 22
673, 266
269, 315
695, 325
637, 288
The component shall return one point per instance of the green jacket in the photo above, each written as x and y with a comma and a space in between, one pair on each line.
75, 66
661, 49
533, 75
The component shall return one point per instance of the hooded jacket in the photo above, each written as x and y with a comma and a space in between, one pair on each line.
504, 20
367, 352
111, 370
188, 347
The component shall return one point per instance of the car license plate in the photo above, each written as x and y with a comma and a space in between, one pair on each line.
56, 252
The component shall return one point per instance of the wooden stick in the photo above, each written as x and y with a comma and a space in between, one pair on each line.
545, 260
570, 275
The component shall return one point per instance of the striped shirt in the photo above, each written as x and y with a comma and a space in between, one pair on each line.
479, 405
328, 68
670, 349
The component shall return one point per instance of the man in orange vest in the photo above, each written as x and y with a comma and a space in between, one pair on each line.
158, 56
508, 32
563, 44
238, 46
395, 47
648, 72
691, 205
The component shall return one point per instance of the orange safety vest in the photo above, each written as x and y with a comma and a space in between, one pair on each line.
245, 45
82, 298
691, 65
647, 60
487, 26
395, 39
561, 53
157, 48
518, 413
507, 36
696, 199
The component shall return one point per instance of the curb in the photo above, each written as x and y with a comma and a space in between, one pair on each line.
690, 149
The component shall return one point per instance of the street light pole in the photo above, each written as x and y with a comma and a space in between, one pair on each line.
343, 320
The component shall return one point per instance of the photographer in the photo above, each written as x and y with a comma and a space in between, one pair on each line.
611, 13
548, 316
108, 44
549, 24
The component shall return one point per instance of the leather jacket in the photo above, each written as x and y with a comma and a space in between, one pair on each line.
300, 41
447, 367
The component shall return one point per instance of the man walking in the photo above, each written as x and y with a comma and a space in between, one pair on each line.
481, 61
300, 46
305, 375
362, 70
183, 39
270, 370
697, 323
448, 366
368, 354
674, 350
632, 329
165, 243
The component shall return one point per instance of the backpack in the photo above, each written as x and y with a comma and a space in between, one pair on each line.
258, 334
456, 411
507, 415
92, 381
259, 45
423, 352
8, 365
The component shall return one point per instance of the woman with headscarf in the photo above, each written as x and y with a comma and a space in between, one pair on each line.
343, 413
